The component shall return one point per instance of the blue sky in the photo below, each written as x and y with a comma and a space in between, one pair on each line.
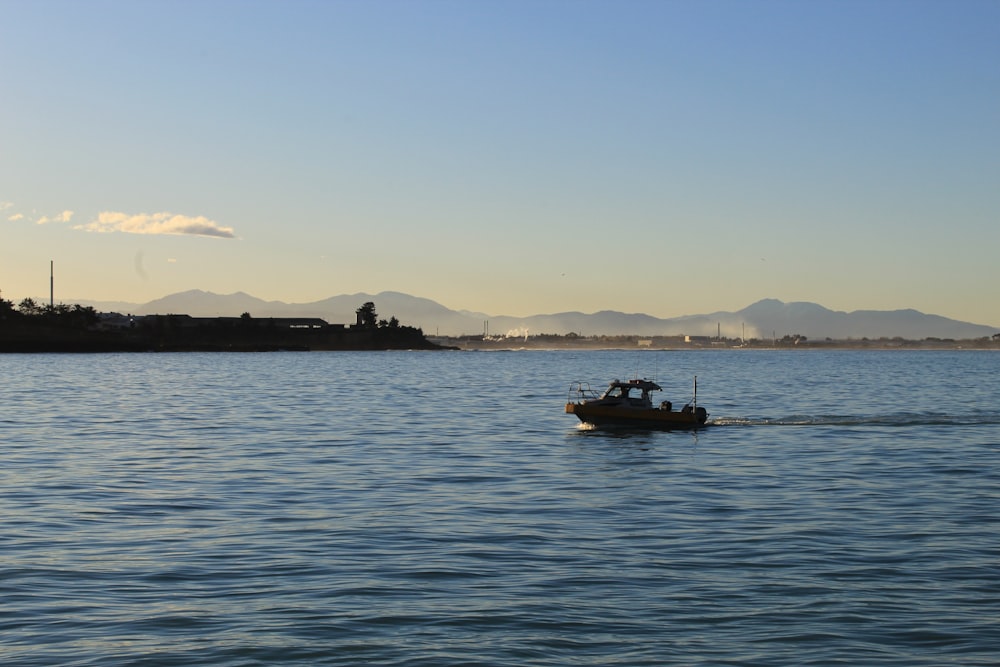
506, 157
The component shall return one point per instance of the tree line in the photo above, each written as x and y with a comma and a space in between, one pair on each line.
76, 315
367, 317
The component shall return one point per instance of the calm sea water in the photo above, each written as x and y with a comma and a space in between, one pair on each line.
441, 509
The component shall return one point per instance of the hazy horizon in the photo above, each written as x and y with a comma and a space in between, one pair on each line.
498, 315
505, 157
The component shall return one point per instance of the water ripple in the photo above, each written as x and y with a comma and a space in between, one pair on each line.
343, 509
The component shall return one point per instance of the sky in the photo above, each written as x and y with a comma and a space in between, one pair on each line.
507, 157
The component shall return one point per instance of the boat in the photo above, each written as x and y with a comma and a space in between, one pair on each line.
629, 404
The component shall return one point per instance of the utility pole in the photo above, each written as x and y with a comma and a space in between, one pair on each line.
52, 285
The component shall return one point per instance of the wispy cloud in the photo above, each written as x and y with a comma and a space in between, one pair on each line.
65, 216
12, 217
157, 223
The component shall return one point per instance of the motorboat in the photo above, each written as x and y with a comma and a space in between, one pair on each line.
629, 404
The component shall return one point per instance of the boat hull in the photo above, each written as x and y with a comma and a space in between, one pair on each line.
631, 417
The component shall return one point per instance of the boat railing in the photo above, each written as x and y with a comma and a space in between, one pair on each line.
581, 391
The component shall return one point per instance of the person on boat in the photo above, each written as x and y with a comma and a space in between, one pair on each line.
645, 400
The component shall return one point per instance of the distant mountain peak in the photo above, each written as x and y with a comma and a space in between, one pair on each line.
761, 319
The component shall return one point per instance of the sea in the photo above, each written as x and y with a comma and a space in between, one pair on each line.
441, 508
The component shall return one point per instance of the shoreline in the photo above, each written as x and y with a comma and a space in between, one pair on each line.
887, 346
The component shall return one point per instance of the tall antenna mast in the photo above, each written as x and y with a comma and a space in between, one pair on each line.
52, 284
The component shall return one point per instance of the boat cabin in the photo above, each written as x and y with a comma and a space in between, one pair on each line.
633, 393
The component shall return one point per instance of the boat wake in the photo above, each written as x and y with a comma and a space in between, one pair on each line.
901, 419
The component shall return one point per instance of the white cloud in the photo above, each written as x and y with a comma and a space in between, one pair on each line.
157, 223
16, 217
65, 216
4, 205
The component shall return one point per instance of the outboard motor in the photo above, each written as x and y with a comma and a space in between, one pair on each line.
701, 414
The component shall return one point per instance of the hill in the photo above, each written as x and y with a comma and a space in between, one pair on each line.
763, 319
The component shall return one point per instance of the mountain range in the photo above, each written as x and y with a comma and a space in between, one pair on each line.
763, 319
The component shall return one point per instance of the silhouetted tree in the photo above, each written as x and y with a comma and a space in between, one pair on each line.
29, 307
367, 317
83, 316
